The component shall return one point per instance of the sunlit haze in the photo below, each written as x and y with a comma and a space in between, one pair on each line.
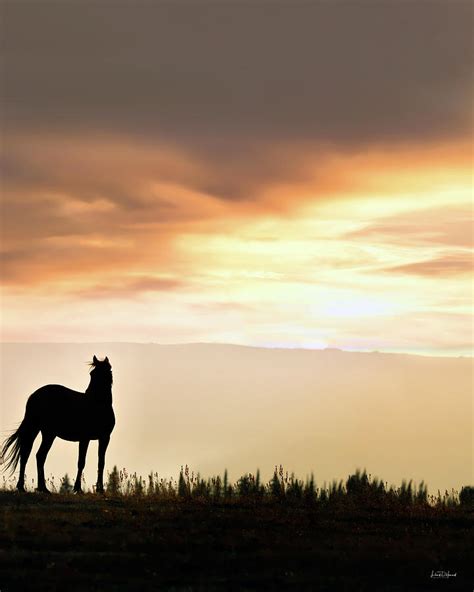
221, 406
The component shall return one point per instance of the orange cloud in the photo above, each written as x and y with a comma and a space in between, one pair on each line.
78, 208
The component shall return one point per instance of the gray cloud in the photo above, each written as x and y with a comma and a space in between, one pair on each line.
119, 167
224, 75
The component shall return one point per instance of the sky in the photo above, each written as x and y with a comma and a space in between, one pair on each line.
267, 174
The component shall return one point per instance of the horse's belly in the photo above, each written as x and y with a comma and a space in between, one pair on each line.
82, 434
79, 436
83, 425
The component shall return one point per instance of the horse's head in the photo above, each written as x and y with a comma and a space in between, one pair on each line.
101, 370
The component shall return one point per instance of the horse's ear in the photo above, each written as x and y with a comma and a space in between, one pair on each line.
107, 360
94, 360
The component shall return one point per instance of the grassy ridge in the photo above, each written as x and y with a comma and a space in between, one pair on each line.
359, 487
360, 535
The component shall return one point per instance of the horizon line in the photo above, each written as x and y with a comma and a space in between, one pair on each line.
248, 346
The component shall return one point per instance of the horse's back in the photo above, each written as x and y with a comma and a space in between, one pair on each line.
54, 394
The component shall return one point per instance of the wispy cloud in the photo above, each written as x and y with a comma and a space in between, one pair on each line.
448, 225
448, 265
125, 289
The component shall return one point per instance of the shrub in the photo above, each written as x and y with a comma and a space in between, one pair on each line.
276, 486
309, 491
466, 496
216, 487
138, 485
65, 485
421, 496
357, 485
405, 493
182, 485
245, 485
113, 482
294, 489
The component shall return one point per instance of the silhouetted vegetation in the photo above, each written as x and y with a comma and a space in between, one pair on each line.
65, 485
359, 489
466, 496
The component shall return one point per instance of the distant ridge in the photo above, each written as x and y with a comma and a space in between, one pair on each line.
204, 344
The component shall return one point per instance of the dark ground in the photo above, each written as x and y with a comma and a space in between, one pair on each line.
91, 543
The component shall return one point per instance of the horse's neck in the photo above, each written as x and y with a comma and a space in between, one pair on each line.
99, 393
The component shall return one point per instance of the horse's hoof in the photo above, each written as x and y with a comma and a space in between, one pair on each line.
99, 490
21, 488
77, 491
43, 490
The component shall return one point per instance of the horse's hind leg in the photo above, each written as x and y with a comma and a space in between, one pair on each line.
25, 450
41, 455
81, 463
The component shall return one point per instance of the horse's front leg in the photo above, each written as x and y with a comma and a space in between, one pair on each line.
103, 443
81, 463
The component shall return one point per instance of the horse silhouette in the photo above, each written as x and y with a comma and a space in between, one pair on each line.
55, 410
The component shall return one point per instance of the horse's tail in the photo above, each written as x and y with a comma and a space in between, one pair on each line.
10, 451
